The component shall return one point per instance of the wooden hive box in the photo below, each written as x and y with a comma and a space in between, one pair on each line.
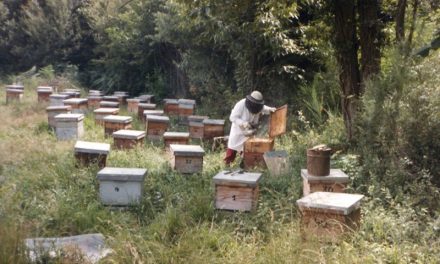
100, 113
187, 158
69, 126
43, 93
13, 95
57, 99
171, 106
142, 107
53, 111
128, 139
113, 123
121, 186
79, 105
132, 105
146, 98
181, 138
122, 97
328, 215
236, 191
336, 181
87, 153
94, 101
156, 126
108, 104
254, 148
195, 123
111, 98
186, 108
213, 128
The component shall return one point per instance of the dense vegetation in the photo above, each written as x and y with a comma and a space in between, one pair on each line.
365, 83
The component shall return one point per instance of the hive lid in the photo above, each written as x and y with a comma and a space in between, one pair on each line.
69, 117
148, 106
186, 106
214, 122
10, 90
237, 177
197, 118
343, 203
71, 93
157, 118
195, 124
336, 175
186, 150
109, 103
72, 90
122, 174
15, 86
186, 101
92, 147
118, 119
44, 89
129, 134
106, 111
94, 96
170, 101
111, 97
118, 93
278, 122
176, 135
58, 108
137, 100
59, 96
75, 101
145, 97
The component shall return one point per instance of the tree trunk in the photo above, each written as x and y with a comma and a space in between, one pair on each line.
346, 53
413, 23
370, 37
400, 21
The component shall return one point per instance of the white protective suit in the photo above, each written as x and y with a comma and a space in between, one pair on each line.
240, 115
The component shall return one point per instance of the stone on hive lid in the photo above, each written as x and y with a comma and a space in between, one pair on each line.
176, 134
106, 110
342, 203
197, 118
186, 150
75, 101
335, 176
118, 119
246, 178
186, 102
129, 134
122, 174
92, 147
214, 122
158, 118
69, 117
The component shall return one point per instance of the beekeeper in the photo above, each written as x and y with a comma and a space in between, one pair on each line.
244, 119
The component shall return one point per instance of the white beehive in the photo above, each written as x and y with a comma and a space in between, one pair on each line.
69, 126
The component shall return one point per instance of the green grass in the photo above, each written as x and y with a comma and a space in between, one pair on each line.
44, 194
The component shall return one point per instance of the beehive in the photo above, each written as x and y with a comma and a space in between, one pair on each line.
122, 97
181, 138
87, 153
213, 128
142, 107
132, 105
327, 215
254, 149
94, 101
71, 93
237, 191
146, 98
186, 108
57, 99
121, 186
187, 158
53, 111
128, 139
79, 105
171, 106
69, 126
108, 104
113, 123
336, 181
156, 126
100, 113
111, 98
43, 93
13, 95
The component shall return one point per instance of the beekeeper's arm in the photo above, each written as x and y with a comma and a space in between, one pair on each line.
267, 110
236, 115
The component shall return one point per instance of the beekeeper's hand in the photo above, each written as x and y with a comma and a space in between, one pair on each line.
245, 126
272, 109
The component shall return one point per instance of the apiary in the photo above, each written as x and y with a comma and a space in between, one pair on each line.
213, 128
100, 113
142, 107
171, 106
57, 99
79, 105
69, 126
13, 95
53, 111
121, 186
132, 105
108, 104
181, 138
43, 93
187, 158
236, 190
128, 139
113, 123
94, 101
156, 126
327, 215
336, 181
87, 153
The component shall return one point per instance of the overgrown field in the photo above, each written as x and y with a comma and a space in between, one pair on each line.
43, 193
